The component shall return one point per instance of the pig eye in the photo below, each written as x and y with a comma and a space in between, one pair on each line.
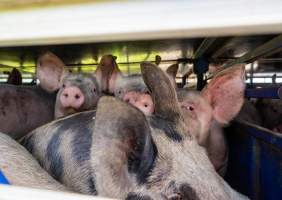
64, 85
190, 108
94, 90
146, 105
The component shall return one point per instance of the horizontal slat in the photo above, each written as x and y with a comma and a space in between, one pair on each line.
8, 192
270, 93
139, 20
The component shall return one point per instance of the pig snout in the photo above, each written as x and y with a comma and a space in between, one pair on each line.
130, 97
72, 97
142, 101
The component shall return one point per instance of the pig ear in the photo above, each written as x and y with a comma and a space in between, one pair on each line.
132, 149
49, 71
225, 93
172, 71
163, 91
107, 73
158, 59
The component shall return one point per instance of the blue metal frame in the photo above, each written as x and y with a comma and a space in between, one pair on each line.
255, 161
3, 179
270, 93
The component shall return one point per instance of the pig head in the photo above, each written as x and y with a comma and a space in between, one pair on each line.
77, 93
118, 152
212, 108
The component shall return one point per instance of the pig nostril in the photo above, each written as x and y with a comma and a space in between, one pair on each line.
66, 95
146, 105
77, 96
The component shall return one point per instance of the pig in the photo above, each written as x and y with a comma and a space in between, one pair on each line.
15, 77
213, 108
78, 92
131, 89
249, 113
270, 111
114, 82
116, 151
106, 72
211, 134
24, 108
143, 100
21, 169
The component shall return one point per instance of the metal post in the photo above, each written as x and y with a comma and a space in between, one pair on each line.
252, 75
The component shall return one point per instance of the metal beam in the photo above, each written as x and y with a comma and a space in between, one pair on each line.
222, 49
2, 65
264, 50
268, 92
204, 46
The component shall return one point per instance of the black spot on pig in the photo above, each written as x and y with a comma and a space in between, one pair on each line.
167, 127
71, 123
91, 185
81, 143
141, 158
134, 196
187, 192
28, 143
53, 155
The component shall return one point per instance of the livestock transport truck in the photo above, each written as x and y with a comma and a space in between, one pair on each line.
202, 37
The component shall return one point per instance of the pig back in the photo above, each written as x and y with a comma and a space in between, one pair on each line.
62, 148
24, 108
21, 169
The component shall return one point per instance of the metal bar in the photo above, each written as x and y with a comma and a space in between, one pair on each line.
1, 65
252, 75
200, 81
180, 60
270, 93
258, 52
261, 60
270, 60
203, 47
222, 49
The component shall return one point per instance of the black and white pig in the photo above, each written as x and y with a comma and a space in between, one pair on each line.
21, 168
24, 108
201, 110
118, 152
206, 110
